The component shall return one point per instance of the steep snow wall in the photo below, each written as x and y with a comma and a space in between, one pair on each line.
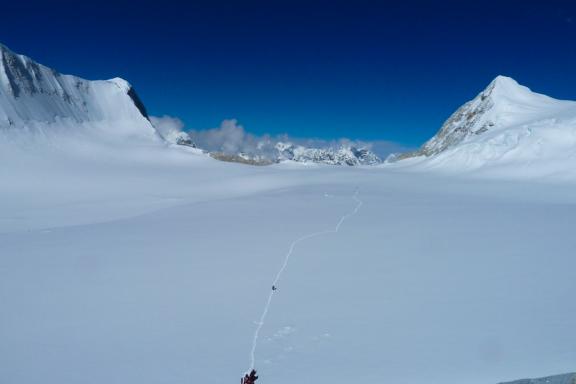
35, 99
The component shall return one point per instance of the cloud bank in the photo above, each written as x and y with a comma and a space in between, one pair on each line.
231, 138
171, 129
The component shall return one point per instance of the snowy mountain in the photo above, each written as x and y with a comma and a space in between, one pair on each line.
151, 266
39, 100
242, 158
282, 151
344, 155
569, 378
506, 123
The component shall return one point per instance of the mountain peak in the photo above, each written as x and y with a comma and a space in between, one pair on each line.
502, 104
33, 95
4, 48
504, 87
502, 81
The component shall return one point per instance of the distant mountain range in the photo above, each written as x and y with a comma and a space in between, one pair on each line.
341, 155
37, 101
506, 125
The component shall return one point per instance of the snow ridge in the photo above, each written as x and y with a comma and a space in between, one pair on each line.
293, 245
35, 99
343, 155
508, 131
502, 104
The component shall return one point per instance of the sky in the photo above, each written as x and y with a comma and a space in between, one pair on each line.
364, 70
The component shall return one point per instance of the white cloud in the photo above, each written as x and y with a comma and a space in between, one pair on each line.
231, 138
170, 128
166, 124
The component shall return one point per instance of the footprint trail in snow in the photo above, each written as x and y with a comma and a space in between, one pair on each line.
289, 253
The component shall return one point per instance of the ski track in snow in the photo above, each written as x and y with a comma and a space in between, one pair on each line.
336, 229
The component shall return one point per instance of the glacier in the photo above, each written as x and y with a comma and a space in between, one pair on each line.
125, 258
136, 270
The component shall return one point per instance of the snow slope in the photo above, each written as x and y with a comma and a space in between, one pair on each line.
569, 378
37, 103
154, 269
507, 129
124, 260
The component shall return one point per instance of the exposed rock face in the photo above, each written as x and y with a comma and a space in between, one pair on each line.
178, 137
241, 158
37, 98
503, 103
184, 139
468, 119
345, 155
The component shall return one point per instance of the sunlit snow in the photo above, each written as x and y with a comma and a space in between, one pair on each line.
126, 259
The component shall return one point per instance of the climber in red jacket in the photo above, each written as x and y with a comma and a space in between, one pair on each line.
249, 378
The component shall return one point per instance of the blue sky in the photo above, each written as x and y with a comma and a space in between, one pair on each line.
359, 69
